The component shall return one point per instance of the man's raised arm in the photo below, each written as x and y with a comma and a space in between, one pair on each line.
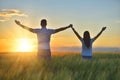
23, 26
63, 28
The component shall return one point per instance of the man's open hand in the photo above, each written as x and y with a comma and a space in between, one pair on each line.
17, 22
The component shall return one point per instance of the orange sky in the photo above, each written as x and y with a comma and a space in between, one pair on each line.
15, 44
11, 38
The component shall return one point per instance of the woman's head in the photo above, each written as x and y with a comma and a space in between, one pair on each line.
86, 34
86, 38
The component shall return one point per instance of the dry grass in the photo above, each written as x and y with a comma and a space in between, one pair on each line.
23, 66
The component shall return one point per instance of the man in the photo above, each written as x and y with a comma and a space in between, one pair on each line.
43, 36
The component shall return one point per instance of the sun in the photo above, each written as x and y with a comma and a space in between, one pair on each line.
24, 45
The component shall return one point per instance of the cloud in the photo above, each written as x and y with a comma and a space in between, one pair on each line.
117, 21
7, 14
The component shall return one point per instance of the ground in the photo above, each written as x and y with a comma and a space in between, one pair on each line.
26, 66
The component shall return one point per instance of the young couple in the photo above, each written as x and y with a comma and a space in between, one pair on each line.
44, 35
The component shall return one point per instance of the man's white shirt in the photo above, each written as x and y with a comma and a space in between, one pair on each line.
44, 36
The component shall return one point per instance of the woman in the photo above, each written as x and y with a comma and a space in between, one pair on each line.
87, 42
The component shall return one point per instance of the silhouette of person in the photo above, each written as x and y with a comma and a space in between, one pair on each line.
43, 36
87, 42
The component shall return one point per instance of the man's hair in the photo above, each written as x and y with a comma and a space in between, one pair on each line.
43, 21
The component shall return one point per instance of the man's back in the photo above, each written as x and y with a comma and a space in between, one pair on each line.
43, 36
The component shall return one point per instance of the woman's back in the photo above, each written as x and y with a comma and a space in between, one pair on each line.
85, 50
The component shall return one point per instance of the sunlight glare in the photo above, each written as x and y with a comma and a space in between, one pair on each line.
24, 45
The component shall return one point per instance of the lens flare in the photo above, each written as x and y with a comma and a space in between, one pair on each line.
24, 45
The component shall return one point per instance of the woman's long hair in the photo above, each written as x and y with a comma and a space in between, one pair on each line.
86, 38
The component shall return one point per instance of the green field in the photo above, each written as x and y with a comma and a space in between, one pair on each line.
25, 66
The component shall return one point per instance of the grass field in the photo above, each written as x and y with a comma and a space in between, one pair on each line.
25, 66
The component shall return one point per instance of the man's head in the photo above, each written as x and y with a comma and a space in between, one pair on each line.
43, 23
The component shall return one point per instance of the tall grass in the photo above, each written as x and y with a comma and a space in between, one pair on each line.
65, 67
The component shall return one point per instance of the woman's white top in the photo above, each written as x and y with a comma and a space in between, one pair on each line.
87, 51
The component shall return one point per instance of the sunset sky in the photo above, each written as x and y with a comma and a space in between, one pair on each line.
89, 15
